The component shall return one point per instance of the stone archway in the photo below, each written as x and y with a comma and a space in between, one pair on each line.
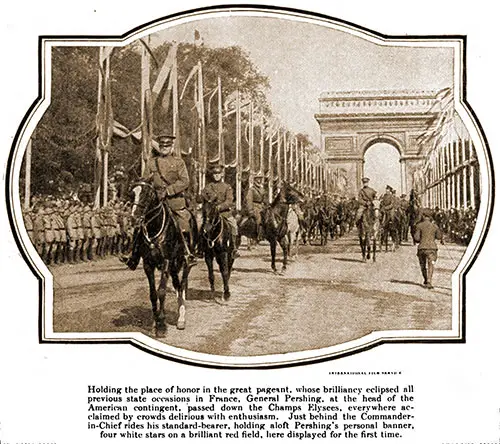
382, 164
350, 122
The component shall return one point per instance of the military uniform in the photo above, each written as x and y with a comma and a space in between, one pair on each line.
38, 230
73, 235
170, 179
87, 234
256, 198
426, 234
366, 196
387, 204
221, 194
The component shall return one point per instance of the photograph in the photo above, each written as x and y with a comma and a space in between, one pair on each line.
214, 192
249, 222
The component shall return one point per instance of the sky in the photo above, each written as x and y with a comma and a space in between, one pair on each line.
303, 60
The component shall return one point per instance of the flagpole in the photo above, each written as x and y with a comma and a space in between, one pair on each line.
261, 157
98, 152
145, 115
302, 165
238, 154
251, 148
175, 107
271, 166
278, 156
106, 151
202, 126
222, 159
285, 164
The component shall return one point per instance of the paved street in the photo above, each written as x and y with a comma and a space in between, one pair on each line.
327, 296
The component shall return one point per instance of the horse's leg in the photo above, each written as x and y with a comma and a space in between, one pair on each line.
272, 244
374, 253
209, 260
180, 290
161, 325
223, 261
149, 269
285, 246
362, 243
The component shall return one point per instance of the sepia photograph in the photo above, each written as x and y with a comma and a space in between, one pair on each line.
249, 222
198, 191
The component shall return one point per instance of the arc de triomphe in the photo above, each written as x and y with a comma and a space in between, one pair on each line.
351, 122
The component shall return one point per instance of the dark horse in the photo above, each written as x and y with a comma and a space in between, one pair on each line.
275, 225
162, 247
217, 243
390, 227
368, 230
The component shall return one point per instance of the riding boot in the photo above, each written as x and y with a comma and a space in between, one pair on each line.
234, 240
133, 260
191, 260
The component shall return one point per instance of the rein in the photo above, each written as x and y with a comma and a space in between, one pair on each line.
163, 226
152, 214
211, 242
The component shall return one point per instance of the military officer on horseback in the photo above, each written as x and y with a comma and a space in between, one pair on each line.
366, 196
170, 178
388, 204
255, 199
221, 194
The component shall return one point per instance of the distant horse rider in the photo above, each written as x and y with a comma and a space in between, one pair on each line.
221, 194
366, 196
387, 204
170, 179
255, 200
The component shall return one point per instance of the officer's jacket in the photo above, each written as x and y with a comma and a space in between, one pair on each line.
72, 226
38, 228
256, 195
387, 201
95, 224
220, 193
59, 227
170, 175
86, 224
366, 195
47, 225
426, 233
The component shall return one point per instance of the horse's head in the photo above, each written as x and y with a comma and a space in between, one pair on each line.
291, 195
211, 215
144, 198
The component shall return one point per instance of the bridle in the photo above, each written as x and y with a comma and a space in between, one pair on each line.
152, 214
211, 242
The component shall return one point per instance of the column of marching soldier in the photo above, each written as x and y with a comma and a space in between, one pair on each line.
67, 231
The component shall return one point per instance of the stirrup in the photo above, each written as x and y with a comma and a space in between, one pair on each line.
191, 260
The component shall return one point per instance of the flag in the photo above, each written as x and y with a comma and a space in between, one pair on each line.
164, 74
193, 71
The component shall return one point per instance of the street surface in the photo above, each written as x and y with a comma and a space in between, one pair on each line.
327, 296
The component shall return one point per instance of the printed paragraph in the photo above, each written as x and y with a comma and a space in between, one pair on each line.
302, 412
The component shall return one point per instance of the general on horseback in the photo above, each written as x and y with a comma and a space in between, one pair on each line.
165, 232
